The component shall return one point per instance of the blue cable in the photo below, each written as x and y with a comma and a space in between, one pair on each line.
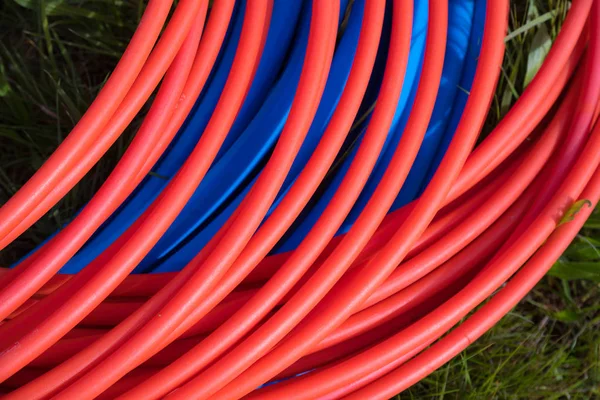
280, 36
461, 17
262, 117
261, 135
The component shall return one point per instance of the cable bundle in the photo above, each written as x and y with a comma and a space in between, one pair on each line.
318, 218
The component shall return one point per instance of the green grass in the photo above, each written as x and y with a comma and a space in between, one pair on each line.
56, 54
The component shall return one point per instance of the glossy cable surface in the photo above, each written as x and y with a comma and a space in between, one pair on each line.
356, 314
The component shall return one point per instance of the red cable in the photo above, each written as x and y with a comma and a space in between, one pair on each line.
118, 185
356, 307
198, 75
105, 106
433, 325
174, 198
248, 219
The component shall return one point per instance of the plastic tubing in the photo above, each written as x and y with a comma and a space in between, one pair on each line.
140, 91
210, 48
34, 267
198, 77
536, 93
383, 310
453, 66
490, 313
539, 155
545, 232
348, 98
408, 147
482, 217
122, 180
116, 307
411, 77
396, 83
572, 145
68, 346
171, 202
275, 47
402, 377
512, 189
356, 307
179, 73
318, 54
16, 213
425, 330
496, 142
331, 48
572, 91
207, 53
251, 149
291, 348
